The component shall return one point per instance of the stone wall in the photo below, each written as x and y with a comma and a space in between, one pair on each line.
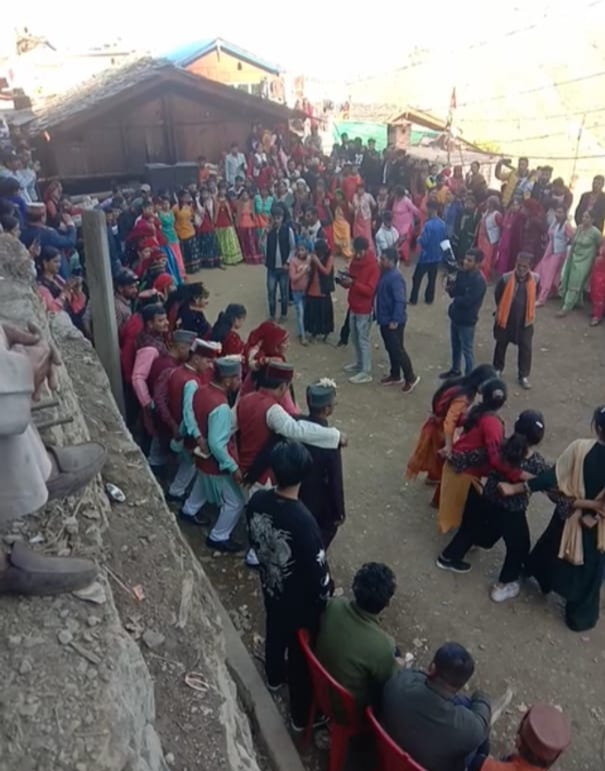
100, 687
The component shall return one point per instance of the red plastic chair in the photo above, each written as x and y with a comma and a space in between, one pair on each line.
390, 755
335, 702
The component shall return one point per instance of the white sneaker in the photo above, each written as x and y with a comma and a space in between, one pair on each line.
360, 378
251, 559
503, 592
351, 367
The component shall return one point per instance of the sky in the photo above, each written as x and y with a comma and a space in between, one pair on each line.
326, 39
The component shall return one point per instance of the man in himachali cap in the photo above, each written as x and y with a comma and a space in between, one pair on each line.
543, 736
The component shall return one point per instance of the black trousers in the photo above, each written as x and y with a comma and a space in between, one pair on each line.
345, 330
429, 269
280, 637
398, 356
524, 356
483, 524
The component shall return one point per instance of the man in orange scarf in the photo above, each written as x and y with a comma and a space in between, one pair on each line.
516, 306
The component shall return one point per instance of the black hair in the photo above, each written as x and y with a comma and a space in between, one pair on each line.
290, 462
149, 312
49, 253
322, 249
360, 243
598, 421
476, 254
494, 394
386, 215
8, 222
523, 158
186, 293
454, 665
9, 186
373, 586
278, 210
225, 320
432, 205
391, 255
467, 386
599, 177
7, 208
528, 432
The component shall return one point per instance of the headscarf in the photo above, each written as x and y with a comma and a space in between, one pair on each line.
163, 282
264, 341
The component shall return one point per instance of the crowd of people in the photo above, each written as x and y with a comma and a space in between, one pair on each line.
219, 420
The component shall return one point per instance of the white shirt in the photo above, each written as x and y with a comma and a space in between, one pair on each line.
235, 165
386, 238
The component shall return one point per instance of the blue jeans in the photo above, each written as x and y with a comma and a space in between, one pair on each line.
360, 336
299, 307
278, 277
462, 345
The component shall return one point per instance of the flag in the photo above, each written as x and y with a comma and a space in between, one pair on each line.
450, 114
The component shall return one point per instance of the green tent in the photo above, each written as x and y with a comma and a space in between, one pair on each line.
377, 131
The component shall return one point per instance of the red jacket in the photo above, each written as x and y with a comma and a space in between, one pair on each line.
254, 433
365, 274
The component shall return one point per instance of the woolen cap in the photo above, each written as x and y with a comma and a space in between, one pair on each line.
545, 731
183, 336
208, 348
321, 394
228, 366
280, 371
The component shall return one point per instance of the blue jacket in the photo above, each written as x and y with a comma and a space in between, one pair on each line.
49, 237
391, 298
433, 233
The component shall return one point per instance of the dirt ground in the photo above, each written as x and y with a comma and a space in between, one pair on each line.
523, 643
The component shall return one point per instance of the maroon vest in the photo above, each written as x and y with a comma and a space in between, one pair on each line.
207, 399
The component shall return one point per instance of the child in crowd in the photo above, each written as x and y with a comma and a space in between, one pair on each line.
298, 270
209, 249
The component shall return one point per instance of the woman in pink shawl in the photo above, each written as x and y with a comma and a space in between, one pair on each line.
548, 269
510, 238
404, 213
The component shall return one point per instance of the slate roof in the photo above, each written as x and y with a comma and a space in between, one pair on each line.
98, 93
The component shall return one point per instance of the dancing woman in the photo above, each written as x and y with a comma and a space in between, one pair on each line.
488, 516
448, 407
569, 557
474, 455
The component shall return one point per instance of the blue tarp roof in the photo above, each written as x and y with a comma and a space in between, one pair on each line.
188, 53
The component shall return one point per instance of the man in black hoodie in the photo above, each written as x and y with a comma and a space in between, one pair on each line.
467, 290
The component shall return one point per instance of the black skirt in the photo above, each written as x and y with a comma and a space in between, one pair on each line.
319, 315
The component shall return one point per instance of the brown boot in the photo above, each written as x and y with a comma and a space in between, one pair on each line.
73, 467
26, 572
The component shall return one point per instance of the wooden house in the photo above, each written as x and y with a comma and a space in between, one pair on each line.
149, 112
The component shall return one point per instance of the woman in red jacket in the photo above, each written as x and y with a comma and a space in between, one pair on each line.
474, 455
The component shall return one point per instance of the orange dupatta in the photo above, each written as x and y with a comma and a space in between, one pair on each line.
506, 301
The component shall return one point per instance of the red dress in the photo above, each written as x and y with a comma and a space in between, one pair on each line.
597, 285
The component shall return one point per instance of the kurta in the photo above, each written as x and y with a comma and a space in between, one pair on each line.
548, 269
578, 265
487, 240
580, 585
510, 241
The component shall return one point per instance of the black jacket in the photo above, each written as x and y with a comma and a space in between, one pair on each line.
467, 291
284, 246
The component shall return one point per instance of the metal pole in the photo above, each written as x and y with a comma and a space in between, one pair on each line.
100, 285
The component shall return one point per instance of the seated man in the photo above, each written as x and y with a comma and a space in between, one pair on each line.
350, 644
427, 718
543, 736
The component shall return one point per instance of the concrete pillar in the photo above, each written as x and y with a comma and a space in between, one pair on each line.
100, 285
